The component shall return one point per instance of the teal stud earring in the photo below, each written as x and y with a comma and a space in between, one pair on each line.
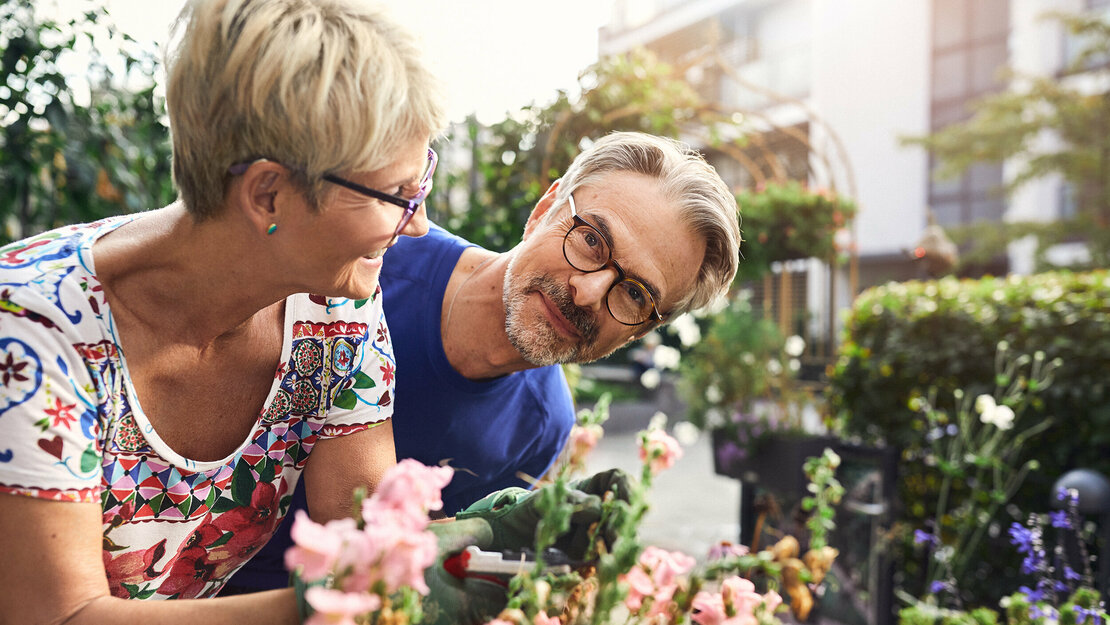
272, 229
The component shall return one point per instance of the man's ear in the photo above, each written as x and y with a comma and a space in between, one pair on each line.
256, 194
541, 208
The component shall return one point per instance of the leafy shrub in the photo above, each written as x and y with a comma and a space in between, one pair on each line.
903, 338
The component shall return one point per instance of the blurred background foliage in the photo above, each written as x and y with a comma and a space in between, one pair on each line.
71, 150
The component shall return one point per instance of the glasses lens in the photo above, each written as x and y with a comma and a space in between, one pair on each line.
426, 180
585, 249
629, 302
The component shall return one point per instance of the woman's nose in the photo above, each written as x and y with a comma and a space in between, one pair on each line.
418, 225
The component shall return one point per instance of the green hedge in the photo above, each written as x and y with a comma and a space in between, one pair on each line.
903, 338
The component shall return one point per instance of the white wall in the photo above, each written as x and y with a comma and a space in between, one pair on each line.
871, 63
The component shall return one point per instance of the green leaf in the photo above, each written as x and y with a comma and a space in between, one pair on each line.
346, 399
222, 540
364, 381
359, 303
242, 483
223, 505
89, 459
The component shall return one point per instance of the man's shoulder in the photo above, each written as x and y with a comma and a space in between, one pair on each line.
438, 241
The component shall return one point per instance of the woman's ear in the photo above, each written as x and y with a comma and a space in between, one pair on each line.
256, 194
541, 208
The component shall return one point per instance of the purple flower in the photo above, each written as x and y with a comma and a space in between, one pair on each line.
1069, 495
1036, 612
1070, 574
1032, 562
1082, 614
939, 587
1021, 537
1060, 519
922, 537
1031, 595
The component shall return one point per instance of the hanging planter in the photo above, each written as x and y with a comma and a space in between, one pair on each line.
788, 221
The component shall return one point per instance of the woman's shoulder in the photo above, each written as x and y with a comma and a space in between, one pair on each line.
49, 278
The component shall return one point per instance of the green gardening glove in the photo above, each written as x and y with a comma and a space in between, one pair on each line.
466, 601
513, 513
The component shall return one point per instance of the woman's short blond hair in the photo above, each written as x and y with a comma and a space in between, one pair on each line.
320, 86
706, 204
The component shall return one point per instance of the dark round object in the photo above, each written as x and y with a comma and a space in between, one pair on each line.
1093, 489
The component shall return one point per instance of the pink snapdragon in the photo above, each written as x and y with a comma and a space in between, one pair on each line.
660, 449
736, 604
656, 576
583, 440
410, 488
335, 607
317, 547
390, 552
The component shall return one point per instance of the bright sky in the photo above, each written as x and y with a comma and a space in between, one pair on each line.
495, 56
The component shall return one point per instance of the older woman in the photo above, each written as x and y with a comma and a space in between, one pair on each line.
168, 376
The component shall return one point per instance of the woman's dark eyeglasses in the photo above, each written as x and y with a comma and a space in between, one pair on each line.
409, 204
588, 250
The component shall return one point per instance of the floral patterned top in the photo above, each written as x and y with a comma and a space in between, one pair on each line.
71, 428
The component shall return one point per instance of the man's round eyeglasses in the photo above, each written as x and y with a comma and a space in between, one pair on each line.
410, 204
588, 250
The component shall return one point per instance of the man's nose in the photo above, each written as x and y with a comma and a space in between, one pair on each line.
588, 289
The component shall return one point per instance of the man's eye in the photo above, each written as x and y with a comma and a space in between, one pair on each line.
591, 239
635, 293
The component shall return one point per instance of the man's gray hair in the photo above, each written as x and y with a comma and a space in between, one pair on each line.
705, 202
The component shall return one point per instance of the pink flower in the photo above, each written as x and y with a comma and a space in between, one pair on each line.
335, 607
410, 484
740, 595
709, 609
665, 566
402, 557
772, 600
639, 586
656, 576
726, 549
660, 449
316, 548
543, 619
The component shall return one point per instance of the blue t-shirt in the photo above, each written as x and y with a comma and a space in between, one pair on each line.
489, 430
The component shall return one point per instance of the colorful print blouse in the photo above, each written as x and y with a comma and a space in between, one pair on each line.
71, 428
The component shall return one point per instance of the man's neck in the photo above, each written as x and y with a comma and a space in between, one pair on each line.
472, 318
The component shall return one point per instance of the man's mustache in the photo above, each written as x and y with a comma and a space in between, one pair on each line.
583, 321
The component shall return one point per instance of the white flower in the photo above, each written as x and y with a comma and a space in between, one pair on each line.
1002, 417
713, 394
658, 421
774, 367
748, 358
795, 365
984, 404
666, 357
687, 329
686, 433
795, 346
714, 418
650, 378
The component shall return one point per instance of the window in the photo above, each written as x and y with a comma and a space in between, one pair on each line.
970, 53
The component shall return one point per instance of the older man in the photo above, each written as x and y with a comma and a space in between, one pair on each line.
638, 231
